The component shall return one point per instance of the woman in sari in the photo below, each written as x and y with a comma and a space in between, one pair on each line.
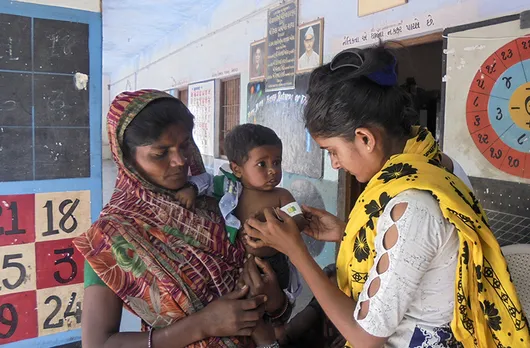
418, 265
173, 267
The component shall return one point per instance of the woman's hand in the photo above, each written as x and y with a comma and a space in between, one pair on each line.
323, 226
233, 314
263, 284
282, 235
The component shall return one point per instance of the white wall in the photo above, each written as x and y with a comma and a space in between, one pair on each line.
87, 5
202, 50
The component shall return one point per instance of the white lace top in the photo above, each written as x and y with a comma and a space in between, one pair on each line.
415, 301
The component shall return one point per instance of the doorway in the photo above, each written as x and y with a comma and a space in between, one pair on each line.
420, 73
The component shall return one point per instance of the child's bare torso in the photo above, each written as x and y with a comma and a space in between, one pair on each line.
252, 203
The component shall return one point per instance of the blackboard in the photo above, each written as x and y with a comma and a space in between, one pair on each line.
15, 97
44, 115
281, 50
59, 103
16, 161
15, 42
62, 153
61, 47
283, 112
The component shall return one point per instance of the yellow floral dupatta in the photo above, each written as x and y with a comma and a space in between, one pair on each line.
487, 310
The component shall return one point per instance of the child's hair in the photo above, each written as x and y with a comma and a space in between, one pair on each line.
246, 137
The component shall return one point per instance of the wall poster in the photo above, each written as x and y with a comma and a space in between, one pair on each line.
258, 54
201, 102
281, 51
41, 283
311, 47
486, 124
282, 111
496, 72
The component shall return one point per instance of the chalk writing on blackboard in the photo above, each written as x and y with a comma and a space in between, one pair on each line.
44, 103
15, 42
61, 46
281, 57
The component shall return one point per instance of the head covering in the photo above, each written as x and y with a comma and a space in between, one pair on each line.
165, 262
309, 32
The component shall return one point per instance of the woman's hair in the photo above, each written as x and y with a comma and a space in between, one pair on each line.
149, 124
358, 89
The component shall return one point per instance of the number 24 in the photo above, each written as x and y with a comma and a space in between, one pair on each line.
67, 313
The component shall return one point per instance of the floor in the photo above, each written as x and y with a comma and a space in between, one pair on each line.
130, 322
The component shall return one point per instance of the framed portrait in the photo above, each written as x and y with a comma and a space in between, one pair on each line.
258, 59
366, 7
310, 46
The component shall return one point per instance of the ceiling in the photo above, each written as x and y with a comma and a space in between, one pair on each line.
133, 26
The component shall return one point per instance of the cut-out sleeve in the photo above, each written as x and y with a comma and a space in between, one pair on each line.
420, 233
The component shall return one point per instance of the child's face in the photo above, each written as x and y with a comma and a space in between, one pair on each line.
262, 170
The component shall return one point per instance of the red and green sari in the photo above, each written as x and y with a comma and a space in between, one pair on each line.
165, 262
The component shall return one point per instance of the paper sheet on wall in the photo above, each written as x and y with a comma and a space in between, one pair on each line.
202, 105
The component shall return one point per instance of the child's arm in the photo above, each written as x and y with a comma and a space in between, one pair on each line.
198, 185
285, 198
203, 182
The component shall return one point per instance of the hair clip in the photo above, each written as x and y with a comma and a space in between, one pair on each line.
334, 65
386, 76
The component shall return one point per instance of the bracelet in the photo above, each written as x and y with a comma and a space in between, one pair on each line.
272, 345
283, 310
282, 317
150, 338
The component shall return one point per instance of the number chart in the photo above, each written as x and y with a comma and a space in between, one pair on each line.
498, 108
51, 168
41, 278
485, 120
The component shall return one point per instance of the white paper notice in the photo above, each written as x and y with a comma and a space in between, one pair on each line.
201, 102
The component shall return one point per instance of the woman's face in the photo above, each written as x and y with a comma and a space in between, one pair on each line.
362, 157
164, 163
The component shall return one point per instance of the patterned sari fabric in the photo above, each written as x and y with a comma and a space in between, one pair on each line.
487, 310
165, 262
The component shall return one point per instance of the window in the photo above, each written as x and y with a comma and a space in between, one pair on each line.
183, 95
229, 113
